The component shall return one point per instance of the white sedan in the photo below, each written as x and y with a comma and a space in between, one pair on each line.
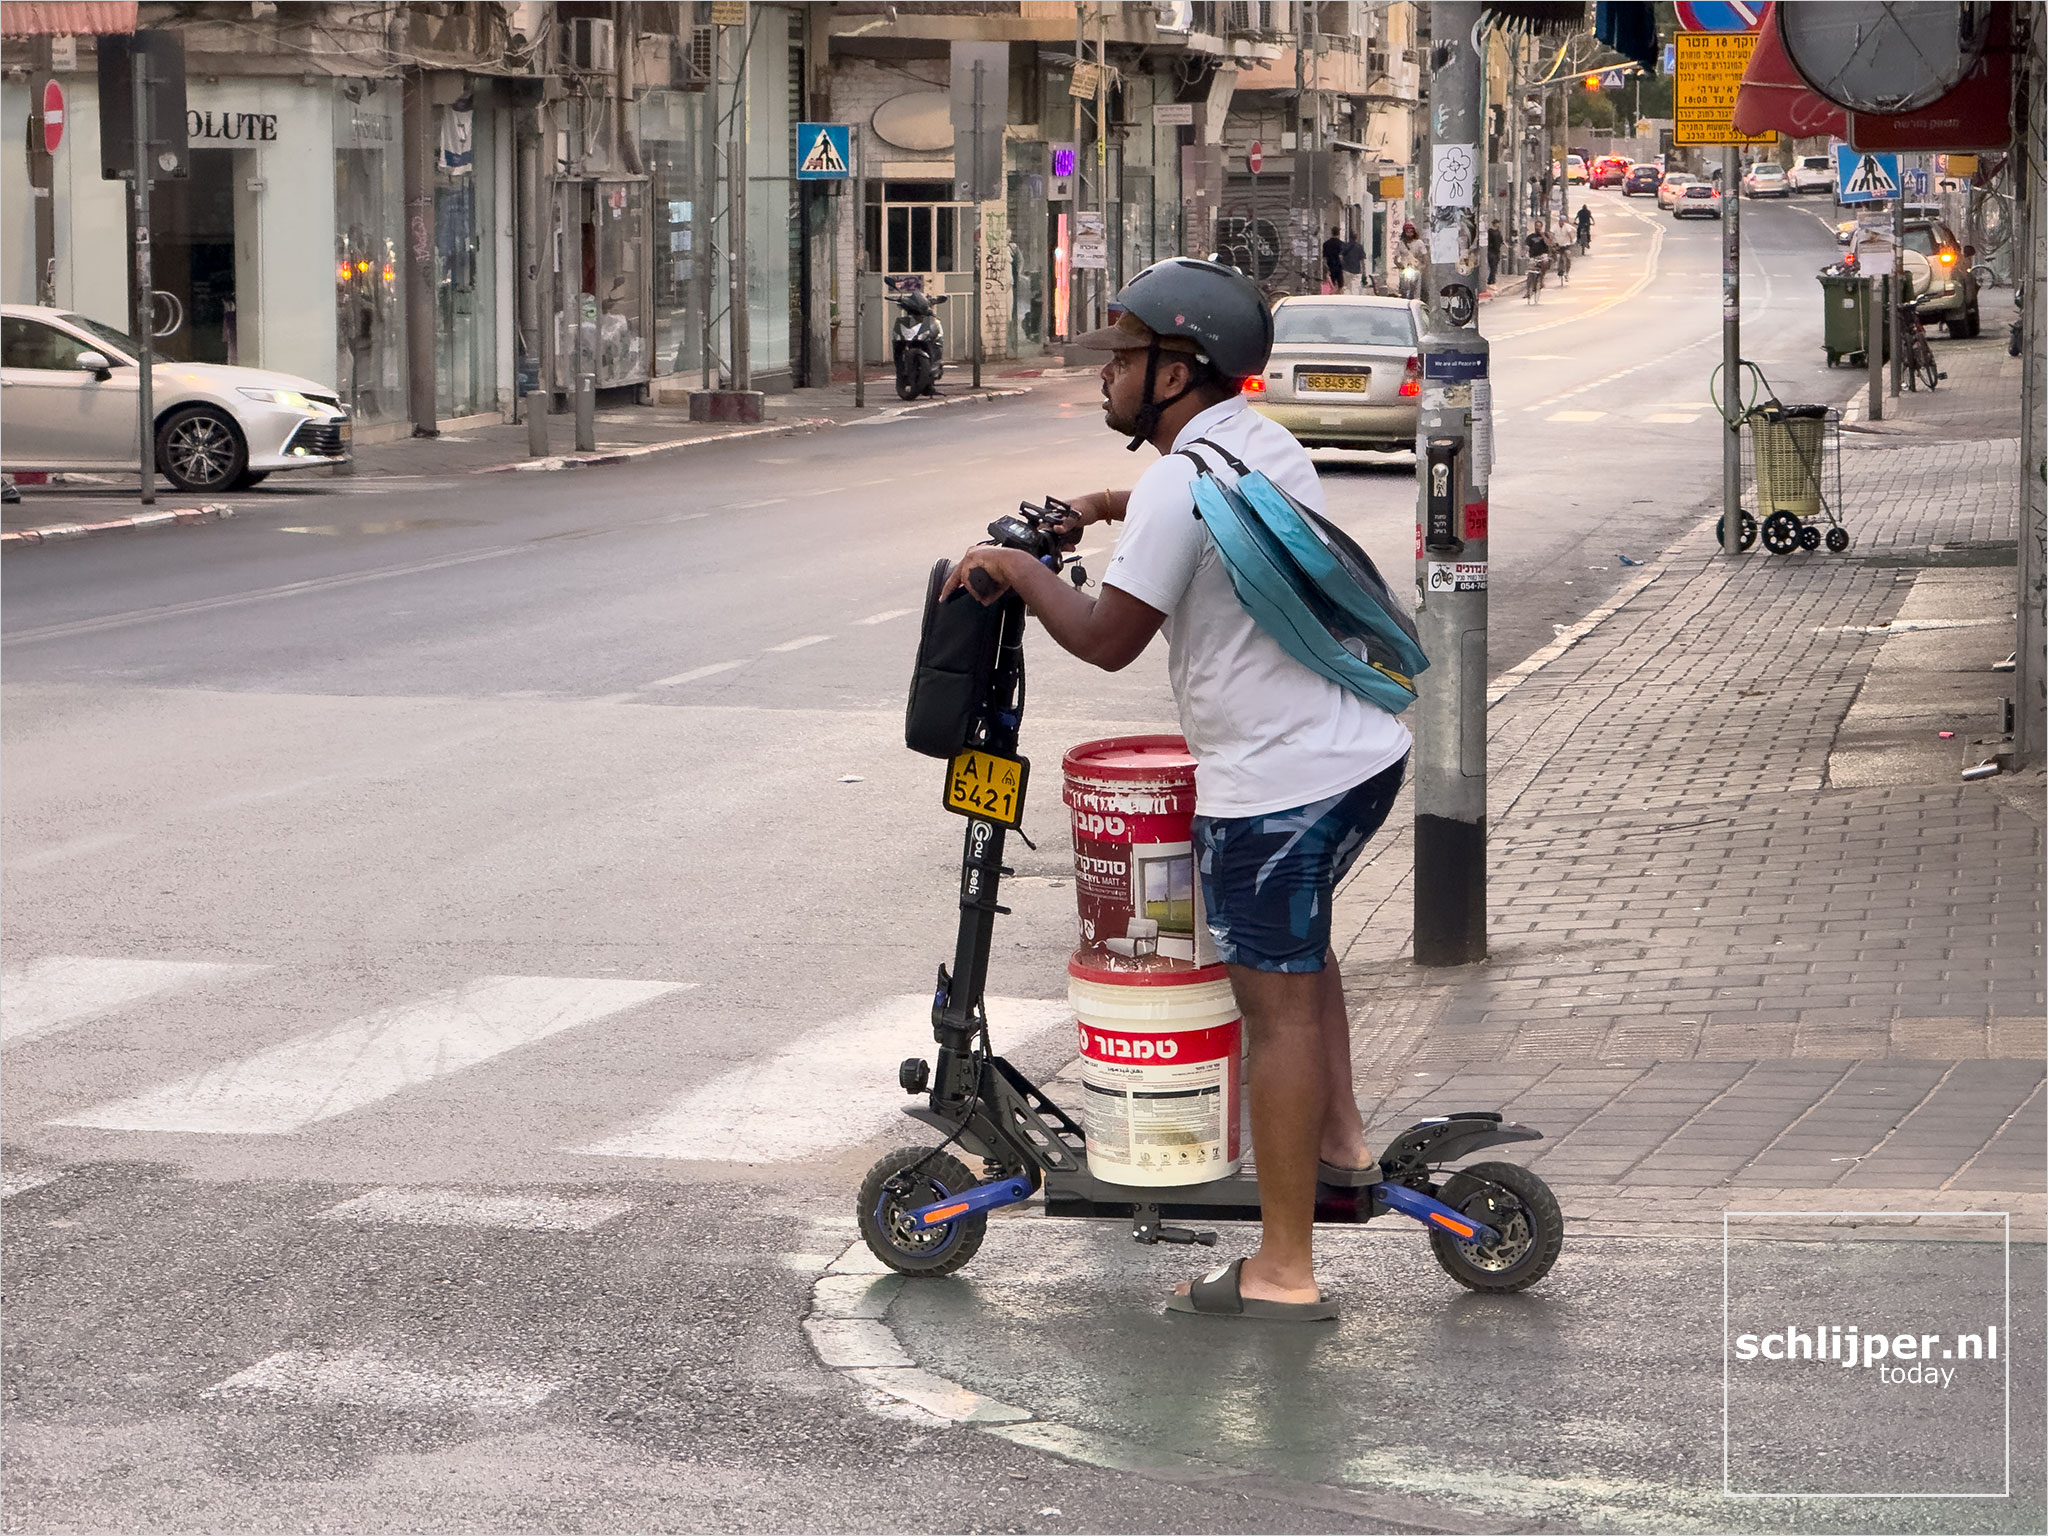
71, 385
1668, 189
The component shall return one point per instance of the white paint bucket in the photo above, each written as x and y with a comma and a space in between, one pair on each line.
1162, 1052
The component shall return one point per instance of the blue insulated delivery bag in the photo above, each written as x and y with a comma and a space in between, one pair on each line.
1309, 586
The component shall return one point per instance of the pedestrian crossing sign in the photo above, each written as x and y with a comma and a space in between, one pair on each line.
1865, 177
824, 151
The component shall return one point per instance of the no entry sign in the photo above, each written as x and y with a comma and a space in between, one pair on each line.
53, 116
1720, 15
1255, 157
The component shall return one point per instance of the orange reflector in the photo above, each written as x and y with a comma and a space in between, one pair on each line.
1456, 1226
947, 1213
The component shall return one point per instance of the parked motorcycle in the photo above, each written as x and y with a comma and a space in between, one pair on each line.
919, 344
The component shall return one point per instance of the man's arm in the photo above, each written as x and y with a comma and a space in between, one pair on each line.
1109, 631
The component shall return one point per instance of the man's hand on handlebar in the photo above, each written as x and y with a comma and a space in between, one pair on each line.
987, 571
1095, 507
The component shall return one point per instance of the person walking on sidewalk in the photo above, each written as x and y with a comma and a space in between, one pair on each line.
1333, 262
1354, 265
1412, 257
1293, 773
1494, 241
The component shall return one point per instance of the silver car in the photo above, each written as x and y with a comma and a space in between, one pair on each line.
1346, 371
71, 387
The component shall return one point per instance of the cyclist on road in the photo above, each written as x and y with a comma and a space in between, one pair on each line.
1585, 227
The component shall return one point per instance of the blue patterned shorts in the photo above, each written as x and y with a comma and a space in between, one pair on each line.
1267, 880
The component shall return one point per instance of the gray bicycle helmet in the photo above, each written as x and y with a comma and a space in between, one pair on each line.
1183, 305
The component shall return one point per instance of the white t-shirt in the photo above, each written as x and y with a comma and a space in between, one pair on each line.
1267, 733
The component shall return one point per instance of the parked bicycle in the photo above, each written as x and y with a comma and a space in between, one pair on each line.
1918, 351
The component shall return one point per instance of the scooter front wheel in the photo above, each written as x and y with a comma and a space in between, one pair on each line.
908, 1178
1517, 1205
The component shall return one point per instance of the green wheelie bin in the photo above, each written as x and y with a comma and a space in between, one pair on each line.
1844, 297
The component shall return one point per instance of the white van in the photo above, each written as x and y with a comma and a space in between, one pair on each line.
1813, 173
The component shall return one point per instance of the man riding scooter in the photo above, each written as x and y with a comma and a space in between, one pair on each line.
1294, 773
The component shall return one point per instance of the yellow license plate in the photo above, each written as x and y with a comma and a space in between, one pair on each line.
1347, 383
982, 784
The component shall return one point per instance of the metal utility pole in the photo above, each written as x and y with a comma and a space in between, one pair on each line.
860, 269
41, 173
416, 137
736, 202
980, 69
1456, 433
1731, 356
1893, 310
1518, 132
145, 278
1111, 238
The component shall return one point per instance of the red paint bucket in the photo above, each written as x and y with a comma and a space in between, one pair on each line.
1132, 800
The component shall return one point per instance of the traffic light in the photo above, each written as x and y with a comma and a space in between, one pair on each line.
1592, 82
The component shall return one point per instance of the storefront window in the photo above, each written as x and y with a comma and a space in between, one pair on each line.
670, 144
913, 226
622, 307
1028, 230
465, 285
369, 198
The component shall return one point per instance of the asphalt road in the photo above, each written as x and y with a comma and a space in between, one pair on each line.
459, 936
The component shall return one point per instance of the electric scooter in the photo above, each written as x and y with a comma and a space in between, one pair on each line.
1493, 1226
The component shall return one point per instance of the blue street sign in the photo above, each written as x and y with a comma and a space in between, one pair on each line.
1865, 178
1916, 183
824, 151
1611, 81
1720, 15
1670, 58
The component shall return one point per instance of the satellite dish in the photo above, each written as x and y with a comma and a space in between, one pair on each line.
1873, 57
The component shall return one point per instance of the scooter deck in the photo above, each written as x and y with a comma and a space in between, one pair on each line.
1234, 1198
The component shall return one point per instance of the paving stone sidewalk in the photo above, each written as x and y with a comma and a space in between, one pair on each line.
1718, 973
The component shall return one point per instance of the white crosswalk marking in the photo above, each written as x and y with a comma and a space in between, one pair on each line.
320, 1076
396, 1205
831, 1088
59, 991
361, 1379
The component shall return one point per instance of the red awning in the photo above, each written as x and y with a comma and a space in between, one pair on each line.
56, 18
1975, 115
1775, 96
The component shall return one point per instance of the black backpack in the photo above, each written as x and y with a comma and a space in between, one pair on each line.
956, 663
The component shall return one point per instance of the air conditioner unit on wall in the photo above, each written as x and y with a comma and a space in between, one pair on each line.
592, 46
695, 57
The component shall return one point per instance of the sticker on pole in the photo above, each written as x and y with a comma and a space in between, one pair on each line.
1457, 576
1865, 178
825, 151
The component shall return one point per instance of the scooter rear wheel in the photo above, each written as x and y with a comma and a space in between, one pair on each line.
1516, 1204
884, 1213
916, 377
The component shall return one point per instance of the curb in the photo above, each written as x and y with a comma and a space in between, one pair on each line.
774, 429
56, 533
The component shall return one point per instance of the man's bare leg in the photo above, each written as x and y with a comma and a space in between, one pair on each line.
1343, 1140
1288, 1089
